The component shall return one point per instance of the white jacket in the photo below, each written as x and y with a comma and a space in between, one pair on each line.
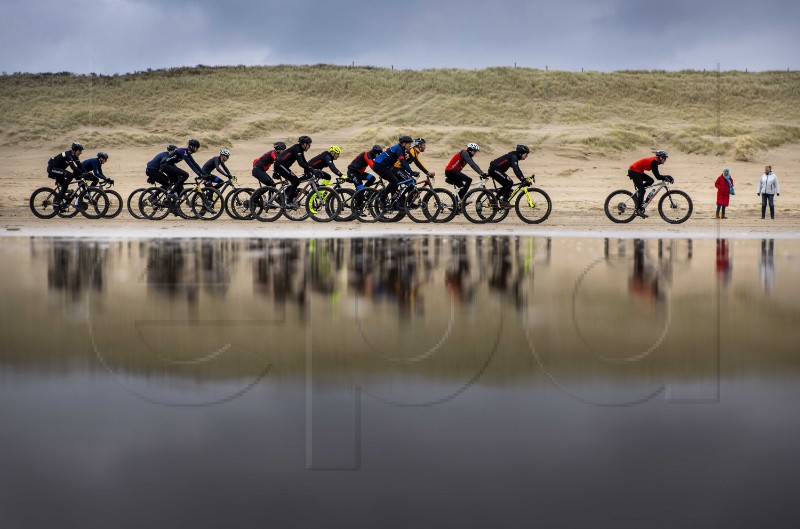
768, 184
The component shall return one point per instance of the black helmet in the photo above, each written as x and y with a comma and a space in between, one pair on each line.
419, 141
405, 139
77, 147
102, 154
661, 153
304, 139
376, 148
194, 143
171, 147
279, 146
523, 149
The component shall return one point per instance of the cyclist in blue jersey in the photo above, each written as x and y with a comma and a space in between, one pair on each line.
217, 163
93, 169
154, 174
385, 161
176, 174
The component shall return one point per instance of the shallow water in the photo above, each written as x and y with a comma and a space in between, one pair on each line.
395, 382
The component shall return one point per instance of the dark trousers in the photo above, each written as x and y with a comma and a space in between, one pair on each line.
387, 174
640, 181
157, 177
361, 179
460, 180
504, 180
63, 179
263, 176
765, 198
176, 175
293, 179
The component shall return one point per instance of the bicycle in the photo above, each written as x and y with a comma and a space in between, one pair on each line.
91, 201
321, 203
114, 199
532, 204
205, 203
409, 199
674, 207
347, 194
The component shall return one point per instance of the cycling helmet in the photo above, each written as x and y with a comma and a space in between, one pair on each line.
523, 149
473, 147
171, 147
194, 143
335, 149
661, 153
225, 152
376, 148
77, 146
279, 146
103, 155
304, 139
419, 141
405, 139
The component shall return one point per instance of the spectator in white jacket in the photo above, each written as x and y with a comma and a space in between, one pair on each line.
768, 188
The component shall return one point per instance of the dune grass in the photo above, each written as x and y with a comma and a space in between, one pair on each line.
734, 113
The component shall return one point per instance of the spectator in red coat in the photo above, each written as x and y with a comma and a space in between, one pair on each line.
724, 185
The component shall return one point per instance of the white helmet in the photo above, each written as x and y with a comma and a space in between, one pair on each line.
225, 152
473, 147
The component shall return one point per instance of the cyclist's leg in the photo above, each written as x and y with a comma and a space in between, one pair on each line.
63, 179
460, 180
294, 181
158, 177
388, 175
263, 176
177, 177
638, 183
504, 181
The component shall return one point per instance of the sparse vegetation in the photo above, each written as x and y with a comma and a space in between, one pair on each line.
594, 112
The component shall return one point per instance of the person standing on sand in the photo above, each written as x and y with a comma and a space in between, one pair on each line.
767, 189
724, 185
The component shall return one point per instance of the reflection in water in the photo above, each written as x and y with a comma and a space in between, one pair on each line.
432, 363
766, 265
724, 266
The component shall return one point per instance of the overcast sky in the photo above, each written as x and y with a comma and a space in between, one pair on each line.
118, 36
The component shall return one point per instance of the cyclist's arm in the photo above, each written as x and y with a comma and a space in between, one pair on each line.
654, 168
193, 165
517, 170
333, 168
467, 158
224, 169
418, 163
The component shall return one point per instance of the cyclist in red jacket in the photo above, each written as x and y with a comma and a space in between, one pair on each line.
453, 174
262, 165
641, 180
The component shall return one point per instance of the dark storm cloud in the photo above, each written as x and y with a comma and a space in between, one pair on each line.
109, 36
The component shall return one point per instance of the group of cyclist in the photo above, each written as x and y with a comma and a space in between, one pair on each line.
391, 164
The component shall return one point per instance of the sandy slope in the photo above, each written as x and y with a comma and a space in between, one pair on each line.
577, 184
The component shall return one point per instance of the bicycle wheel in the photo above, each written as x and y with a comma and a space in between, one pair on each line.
324, 205
133, 203
675, 207
154, 203
266, 204
70, 206
42, 203
620, 206
347, 214
422, 205
93, 202
392, 210
296, 209
207, 203
182, 206
238, 203
114, 204
448, 206
479, 206
533, 205
362, 204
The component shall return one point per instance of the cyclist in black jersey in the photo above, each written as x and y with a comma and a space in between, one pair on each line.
325, 160
177, 175
295, 153
58, 167
499, 166
217, 163
261, 165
